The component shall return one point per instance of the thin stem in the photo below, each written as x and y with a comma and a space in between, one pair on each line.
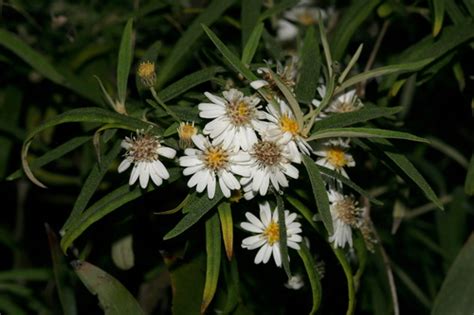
324, 102
427, 207
160, 102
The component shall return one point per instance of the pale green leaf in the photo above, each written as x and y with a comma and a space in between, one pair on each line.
357, 132
114, 298
283, 241
313, 276
252, 44
309, 70
124, 61
249, 18
213, 253
225, 216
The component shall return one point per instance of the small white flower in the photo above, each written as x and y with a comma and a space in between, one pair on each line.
284, 128
143, 151
267, 236
333, 155
270, 163
343, 103
345, 215
295, 282
235, 119
208, 161
304, 13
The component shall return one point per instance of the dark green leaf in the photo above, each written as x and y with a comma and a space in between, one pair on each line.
349, 278
469, 183
114, 298
319, 192
438, 12
195, 211
313, 276
283, 235
309, 68
124, 61
249, 18
276, 9
363, 133
351, 118
305, 212
455, 295
352, 19
227, 226
252, 44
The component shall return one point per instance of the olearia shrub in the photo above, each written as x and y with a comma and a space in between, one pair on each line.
257, 143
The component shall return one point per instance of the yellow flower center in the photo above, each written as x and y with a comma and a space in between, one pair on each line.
240, 113
272, 233
288, 124
306, 18
336, 157
186, 131
146, 73
216, 158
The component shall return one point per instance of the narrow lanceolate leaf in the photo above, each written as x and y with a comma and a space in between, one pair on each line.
438, 15
351, 20
349, 278
213, 251
313, 276
30, 56
454, 297
188, 82
195, 211
114, 298
91, 114
92, 183
362, 115
333, 174
225, 215
252, 44
61, 275
310, 67
182, 48
249, 18
403, 164
124, 61
398, 68
319, 192
469, 183
283, 235
363, 133
234, 61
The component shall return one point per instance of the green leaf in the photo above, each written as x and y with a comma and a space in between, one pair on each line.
319, 192
358, 132
124, 61
249, 18
92, 184
182, 48
61, 275
188, 82
339, 120
91, 114
404, 165
30, 56
469, 183
438, 12
234, 61
412, 286
252, 44
22, 274
283, 242
52, 155
213, 252
398, 68
351, 20
305, 211
313, 276
225, 216
114, 298
333, 174
310, 67
10, 110
349, 278
454, 297
195, 211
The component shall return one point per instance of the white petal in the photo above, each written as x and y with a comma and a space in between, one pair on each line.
156, 179
277, 255
211, 186
260, 254
160, 169
167, 152
124, 165
267, 254
134, 175
196, 178
257, 84
265, 213
254, 220
144, 175
215, 99
186, 161
204, 181
199, 141
250, 227
224, 188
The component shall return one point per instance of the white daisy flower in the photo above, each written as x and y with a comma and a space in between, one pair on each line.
208, 161
304, 13
343, 103
143, 151
345, 215
235, 119
284, 128
267, 231
295, 282
270, 163
333, 155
